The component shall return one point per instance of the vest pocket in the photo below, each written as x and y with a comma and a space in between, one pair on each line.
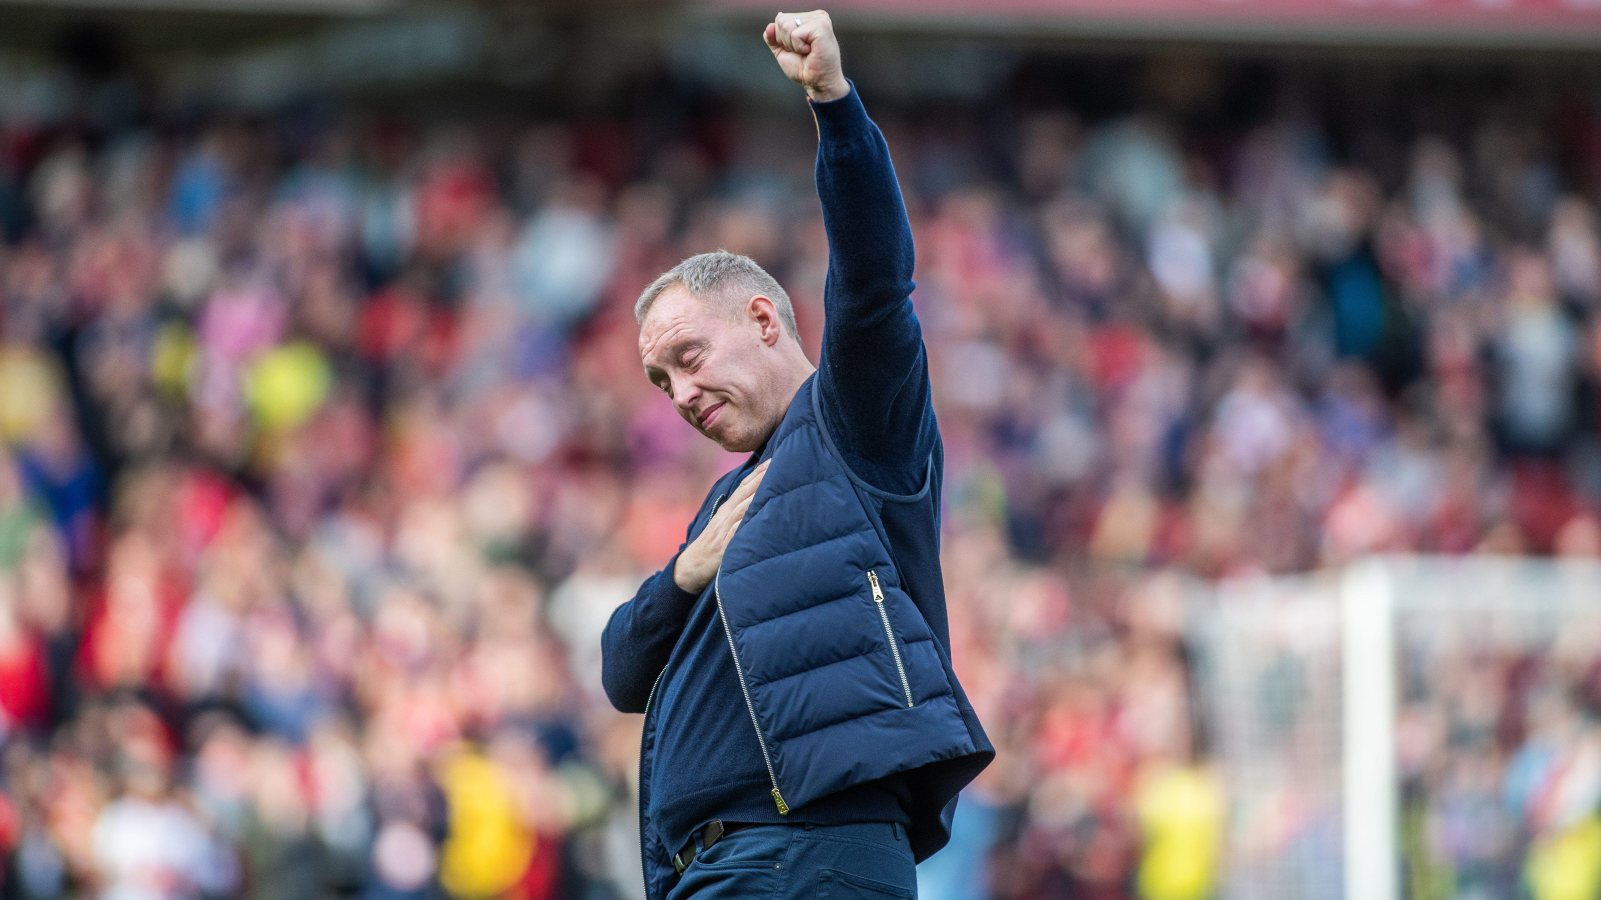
889, 634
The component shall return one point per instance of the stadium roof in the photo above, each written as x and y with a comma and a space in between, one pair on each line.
1502, 23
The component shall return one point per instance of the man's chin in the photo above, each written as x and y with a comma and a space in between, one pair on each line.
735, 445
729, 435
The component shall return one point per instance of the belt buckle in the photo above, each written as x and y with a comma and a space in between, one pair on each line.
709, 835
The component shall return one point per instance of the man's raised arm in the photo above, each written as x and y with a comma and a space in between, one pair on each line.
873, 374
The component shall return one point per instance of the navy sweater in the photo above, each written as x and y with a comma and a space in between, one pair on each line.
876, 403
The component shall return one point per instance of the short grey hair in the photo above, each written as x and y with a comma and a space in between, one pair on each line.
720, 277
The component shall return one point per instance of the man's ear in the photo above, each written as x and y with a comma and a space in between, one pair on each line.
761, 310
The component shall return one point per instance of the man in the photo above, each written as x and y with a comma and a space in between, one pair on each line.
803, 726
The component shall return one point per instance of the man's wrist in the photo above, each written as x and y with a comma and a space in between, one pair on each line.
830, 92
679, 578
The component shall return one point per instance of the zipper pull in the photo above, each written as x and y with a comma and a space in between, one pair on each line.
878, 592
783, 808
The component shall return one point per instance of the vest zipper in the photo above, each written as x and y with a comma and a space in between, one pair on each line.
889, 635
761, 742
652, 695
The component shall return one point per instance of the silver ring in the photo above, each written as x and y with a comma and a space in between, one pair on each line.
797, 22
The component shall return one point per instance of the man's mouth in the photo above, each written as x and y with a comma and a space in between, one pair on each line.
710, 416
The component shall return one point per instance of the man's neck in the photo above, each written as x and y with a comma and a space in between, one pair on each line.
802, 374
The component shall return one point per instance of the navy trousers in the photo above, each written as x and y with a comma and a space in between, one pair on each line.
814, 862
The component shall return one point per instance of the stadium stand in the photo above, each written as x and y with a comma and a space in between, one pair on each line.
326, 454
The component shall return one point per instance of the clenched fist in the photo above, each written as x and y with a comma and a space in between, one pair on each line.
697, 565
807, 51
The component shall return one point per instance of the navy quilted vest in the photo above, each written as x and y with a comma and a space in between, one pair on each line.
843, 679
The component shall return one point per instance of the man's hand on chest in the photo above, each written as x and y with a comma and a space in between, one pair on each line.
697, 565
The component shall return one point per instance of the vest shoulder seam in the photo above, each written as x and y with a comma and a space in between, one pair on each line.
859, 481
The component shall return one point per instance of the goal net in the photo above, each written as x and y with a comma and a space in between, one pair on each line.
1408, 727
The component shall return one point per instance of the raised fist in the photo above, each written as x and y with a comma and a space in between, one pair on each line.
807, 51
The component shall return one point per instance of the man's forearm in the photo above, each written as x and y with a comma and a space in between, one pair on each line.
639, 638
871, 255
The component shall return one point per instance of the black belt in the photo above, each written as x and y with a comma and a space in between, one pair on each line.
714, 831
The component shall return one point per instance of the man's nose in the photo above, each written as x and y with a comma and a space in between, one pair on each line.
685, 393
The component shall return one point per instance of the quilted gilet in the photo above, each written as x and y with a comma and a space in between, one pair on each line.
843, 679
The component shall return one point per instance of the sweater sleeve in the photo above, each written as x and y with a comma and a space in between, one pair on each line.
639, 638
874, 369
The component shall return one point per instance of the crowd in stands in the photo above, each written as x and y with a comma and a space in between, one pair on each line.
325, 454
